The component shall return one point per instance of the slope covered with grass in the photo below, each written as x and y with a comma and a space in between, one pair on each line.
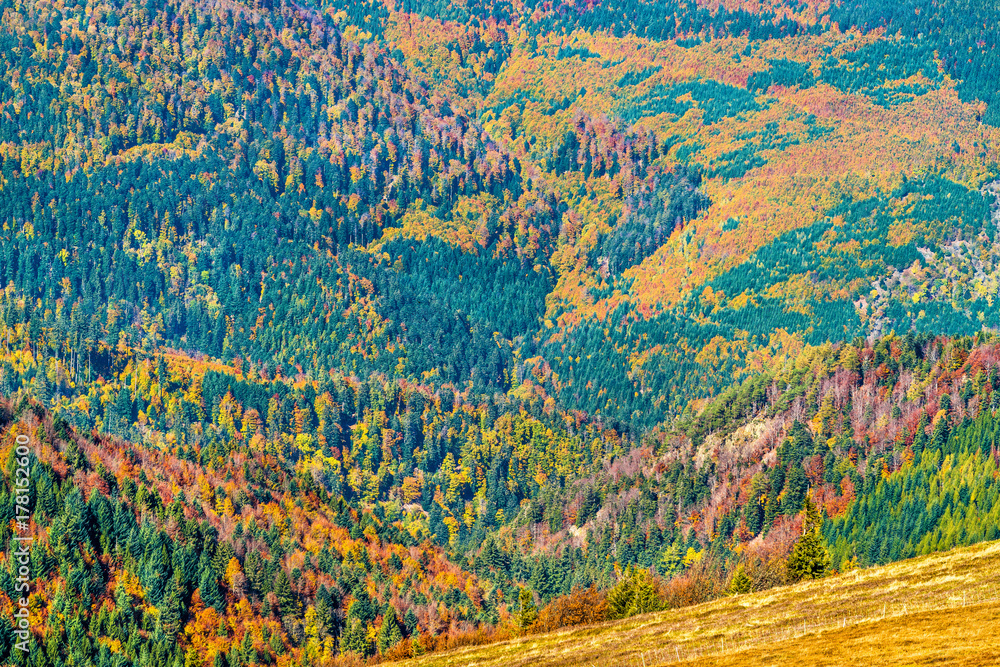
940, 609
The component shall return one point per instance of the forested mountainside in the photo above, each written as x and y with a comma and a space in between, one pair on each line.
188, 512
484, 204
360, 329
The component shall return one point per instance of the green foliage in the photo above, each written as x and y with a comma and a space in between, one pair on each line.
287, 601
809, 558
171, 613
634, 78
389, 633
962, 35
636, 593
782, 73
674, 200
867, 69
663, 20
355, 637
928, 506
527, 612
741, 582
448, 303
419, 360
716, 101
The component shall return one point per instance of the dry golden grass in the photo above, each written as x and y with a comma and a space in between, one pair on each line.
942, 609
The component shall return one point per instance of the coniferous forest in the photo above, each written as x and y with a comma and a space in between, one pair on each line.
341, 332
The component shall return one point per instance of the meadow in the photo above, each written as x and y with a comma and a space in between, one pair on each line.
938, 609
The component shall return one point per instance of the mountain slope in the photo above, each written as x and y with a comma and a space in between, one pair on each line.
275, 185
414, 313
942, 608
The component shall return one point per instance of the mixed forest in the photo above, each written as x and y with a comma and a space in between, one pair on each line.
348, 331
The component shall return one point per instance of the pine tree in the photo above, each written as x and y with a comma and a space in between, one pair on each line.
286, 597
417, 647
541, 579
809, 558
528, 613
170, 612
210, 593
635, 594
741, 582
154, 574
645, 598
324, 612
389, 634
620, 597
355, 637
411, 623
942, 430
796, 485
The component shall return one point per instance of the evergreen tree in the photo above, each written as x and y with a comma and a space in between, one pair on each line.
809, 558
796, 486
324, 612
411, 623
645, 597
528, 612
389, 634
635, 594
211, 596
741, 582
286, 597
170, 612
417, 647
355, 636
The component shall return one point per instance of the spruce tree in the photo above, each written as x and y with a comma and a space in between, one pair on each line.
809, 558
210, 593
324, 612
635, 594
620, 597
411, 623
283, 590
528, 613
170, 612
355, 637
645, 597
417, 648
389, 634
741, 582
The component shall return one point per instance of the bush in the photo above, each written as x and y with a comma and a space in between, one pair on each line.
580, 607
701, 582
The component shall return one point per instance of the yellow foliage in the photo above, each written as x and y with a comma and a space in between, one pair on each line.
692, 557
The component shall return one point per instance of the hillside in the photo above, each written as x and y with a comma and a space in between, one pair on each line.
479, 198
379, 516
342, 331
941, 609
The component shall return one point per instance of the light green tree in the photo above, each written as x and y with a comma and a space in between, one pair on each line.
741, 582
528, 613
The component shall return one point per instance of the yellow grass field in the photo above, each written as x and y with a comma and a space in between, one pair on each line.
942, 609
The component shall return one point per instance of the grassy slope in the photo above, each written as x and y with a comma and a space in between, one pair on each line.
940, 609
